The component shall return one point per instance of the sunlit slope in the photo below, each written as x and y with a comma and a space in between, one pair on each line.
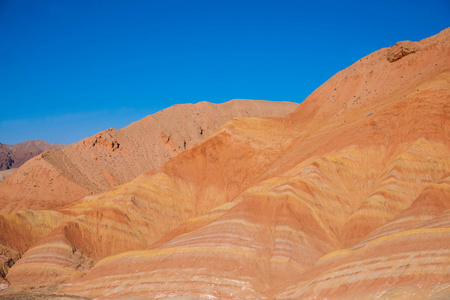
134, 215
407, 257
115, 156
344, 198
280, 233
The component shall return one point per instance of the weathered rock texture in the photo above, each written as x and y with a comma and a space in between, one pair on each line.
6, 173
347, 197
401, 49
115, 156
13, 156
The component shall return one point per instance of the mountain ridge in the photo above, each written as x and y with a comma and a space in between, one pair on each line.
13, 156
115, 156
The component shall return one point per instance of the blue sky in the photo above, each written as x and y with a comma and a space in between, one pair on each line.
69, 69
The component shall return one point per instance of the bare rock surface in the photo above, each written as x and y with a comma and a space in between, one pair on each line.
401, 49
115, 156
345, 198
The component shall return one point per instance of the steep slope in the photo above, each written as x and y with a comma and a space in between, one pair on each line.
13, 156
113, 157
347, 197
406, 257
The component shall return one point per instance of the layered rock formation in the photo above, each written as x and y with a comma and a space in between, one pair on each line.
347, 197
116, 156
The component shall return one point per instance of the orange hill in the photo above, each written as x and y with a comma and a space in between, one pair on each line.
347, 197
116, 156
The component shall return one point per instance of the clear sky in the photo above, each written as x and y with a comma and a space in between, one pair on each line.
69, 69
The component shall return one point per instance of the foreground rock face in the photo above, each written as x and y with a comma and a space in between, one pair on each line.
113, 157
347, 197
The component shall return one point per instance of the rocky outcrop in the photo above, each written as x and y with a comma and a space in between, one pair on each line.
401, 49
106, 139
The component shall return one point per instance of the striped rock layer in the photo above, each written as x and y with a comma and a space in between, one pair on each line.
347, 197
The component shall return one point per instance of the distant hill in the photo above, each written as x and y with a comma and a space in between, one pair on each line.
116, 156
13, 156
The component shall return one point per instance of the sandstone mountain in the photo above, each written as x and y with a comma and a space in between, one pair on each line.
116, 156
347, 197
13, 156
